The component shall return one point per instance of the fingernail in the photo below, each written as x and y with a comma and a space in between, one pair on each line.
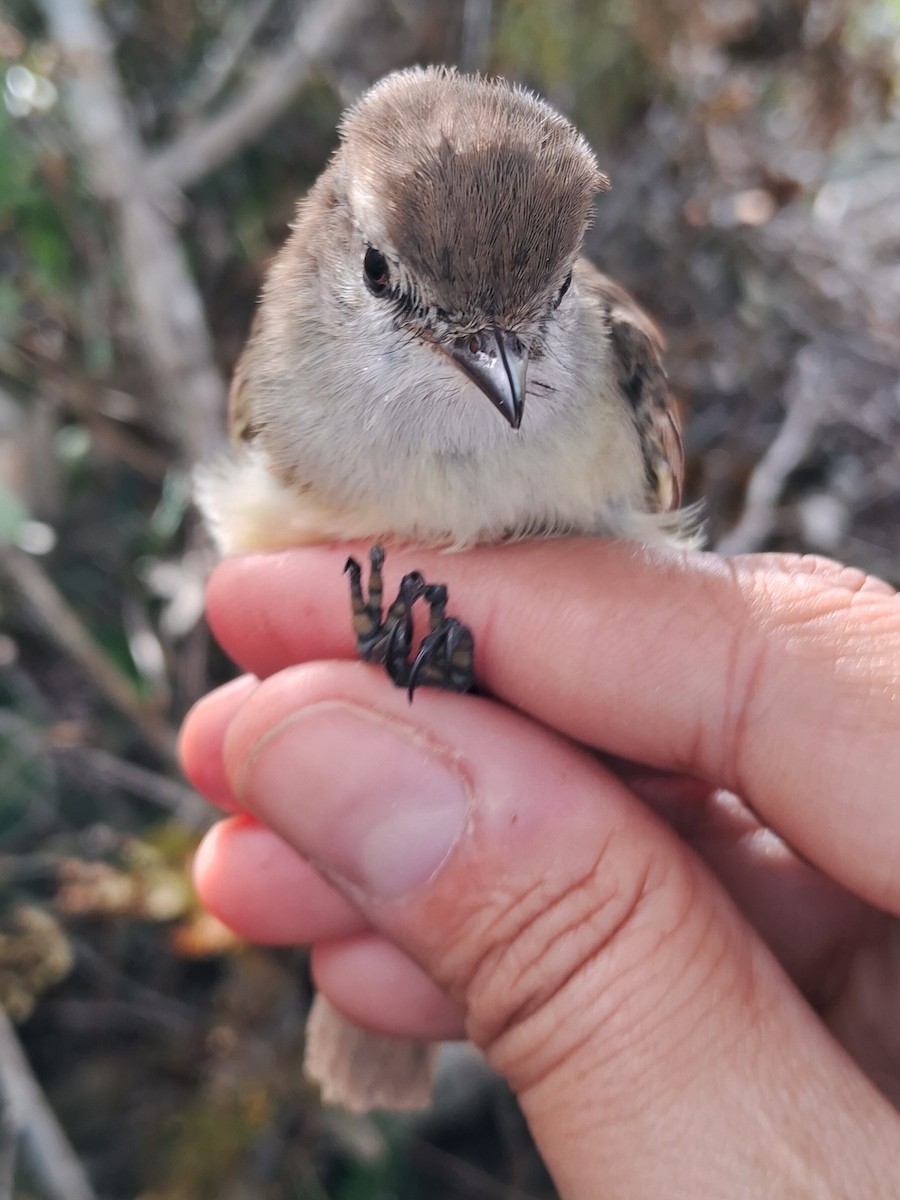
369, 799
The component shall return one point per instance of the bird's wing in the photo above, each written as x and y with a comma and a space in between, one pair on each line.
241, 427
637, 347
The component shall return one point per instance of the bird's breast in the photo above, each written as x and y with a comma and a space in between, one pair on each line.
383, 436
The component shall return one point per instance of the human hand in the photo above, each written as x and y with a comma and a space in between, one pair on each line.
672, 996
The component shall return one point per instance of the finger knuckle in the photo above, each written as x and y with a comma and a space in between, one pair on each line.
807, 629
566, 956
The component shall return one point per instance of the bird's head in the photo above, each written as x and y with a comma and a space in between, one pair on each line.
469, 200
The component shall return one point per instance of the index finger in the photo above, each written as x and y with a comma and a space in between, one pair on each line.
773, 676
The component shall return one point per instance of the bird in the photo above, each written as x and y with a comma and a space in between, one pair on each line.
434, 361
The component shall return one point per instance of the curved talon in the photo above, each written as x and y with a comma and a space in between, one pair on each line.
397, 639
396, 650
429, 645
444, 658
438, 651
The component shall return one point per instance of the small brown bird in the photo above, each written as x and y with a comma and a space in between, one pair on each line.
433, 362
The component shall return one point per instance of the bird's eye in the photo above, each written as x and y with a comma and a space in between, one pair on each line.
567, 282
376, 272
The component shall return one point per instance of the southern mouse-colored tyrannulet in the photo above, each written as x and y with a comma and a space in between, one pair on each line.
433, 362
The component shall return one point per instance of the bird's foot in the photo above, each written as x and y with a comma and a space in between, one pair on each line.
444, 658
374, 629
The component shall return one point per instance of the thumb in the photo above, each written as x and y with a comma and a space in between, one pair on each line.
655, 1045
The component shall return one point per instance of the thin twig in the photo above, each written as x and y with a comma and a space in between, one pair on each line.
205, 145
169, 320
165, 793
111, 435
806, 406
9, 1145
158, 1008
81, 397
63, 626
50, 1155
221, 59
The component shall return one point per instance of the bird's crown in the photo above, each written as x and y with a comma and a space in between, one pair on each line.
476, 192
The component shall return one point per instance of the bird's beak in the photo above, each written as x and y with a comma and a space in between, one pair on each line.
497, 362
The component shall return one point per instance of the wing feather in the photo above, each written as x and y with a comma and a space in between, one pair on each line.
637, 347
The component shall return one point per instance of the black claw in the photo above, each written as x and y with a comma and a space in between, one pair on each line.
444, 658
422, 662
396, 653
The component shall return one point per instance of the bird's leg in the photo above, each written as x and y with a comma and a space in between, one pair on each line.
444, 659
380, 636
367, 623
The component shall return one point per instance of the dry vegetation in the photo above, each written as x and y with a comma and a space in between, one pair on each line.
150, 158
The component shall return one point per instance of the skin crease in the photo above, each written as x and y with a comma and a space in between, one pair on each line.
684, 1005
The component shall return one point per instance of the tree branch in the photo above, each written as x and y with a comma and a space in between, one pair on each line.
205, 145
60, 621
805, 409
221, 60
168, 313
50, 1155
167, 794
9, 1145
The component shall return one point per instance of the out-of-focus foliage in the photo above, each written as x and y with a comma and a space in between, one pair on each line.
754, 150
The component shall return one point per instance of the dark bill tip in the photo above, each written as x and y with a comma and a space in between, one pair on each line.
497, 362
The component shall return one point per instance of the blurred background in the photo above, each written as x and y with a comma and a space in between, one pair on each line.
150, 158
